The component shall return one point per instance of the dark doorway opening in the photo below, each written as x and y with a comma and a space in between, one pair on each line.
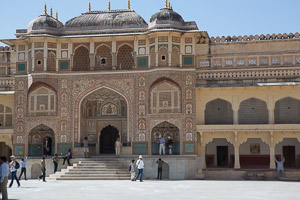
289, 153
47, 146
222, 156
107, 140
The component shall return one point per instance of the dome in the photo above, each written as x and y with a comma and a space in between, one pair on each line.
115, 19
166, 16
44, 22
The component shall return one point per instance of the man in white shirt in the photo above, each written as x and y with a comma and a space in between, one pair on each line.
4, 172
23, 168
140, 167
13, 172
280, 167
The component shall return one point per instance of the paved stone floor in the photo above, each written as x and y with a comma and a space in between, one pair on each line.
155, 190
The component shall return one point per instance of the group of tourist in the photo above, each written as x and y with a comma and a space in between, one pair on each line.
139, 168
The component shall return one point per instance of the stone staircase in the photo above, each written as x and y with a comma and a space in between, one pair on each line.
94, 169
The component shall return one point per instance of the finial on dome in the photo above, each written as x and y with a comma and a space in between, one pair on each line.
166, 4
56, 15
45, 9
108, 4
128, 4
90, 7
169, 6
51, 12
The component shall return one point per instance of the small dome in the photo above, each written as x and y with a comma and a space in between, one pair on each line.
44, 22
167, 16
114, 19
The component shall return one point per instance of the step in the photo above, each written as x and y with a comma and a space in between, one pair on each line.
96, 175
92, 178
95, 172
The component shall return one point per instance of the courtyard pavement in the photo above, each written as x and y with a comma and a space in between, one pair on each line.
155, 190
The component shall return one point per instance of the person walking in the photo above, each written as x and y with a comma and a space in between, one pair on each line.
162, 149
140, 167
86, 147
68, 157
159, 168
170, 145
55, 162
4, 172
23, 168
43, 168
280, 167
118, 147
13, 171
132, 170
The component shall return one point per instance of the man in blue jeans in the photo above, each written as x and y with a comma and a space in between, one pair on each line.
13, 171
140, 167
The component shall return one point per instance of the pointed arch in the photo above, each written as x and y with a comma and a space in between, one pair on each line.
125, 59
51, 62
287, 111
218, 111
253, 111
163, 57
175, 56
81, 59
103, 57
39, 61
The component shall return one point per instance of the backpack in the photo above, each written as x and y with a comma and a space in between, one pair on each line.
17, 166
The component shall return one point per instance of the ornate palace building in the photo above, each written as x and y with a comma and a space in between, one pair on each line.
232, 102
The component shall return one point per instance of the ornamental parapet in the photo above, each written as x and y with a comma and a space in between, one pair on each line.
248, 74
249, 38
7, 82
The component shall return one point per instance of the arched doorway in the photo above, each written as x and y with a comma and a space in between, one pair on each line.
41, 141
166, 130
99, 110
5, 150
107, 139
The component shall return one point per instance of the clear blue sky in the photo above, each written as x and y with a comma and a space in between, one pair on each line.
218, 17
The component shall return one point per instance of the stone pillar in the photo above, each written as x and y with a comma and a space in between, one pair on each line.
58, 56
271, 108
45, 55
236, 152
272, 152
92, 55
114, 60
235, 107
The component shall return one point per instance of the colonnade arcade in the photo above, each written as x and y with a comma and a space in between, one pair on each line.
249, 149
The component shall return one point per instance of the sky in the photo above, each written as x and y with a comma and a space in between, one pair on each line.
217, 17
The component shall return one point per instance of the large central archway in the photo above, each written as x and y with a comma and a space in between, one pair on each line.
103, 116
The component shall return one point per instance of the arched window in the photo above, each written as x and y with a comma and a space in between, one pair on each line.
81, 60
103, 58
152, 57
175, 56
5, 116
51, 62
165, 98
163, 57
218, 111
42, 102
287, 111
39, 61
253, 111
125, 57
